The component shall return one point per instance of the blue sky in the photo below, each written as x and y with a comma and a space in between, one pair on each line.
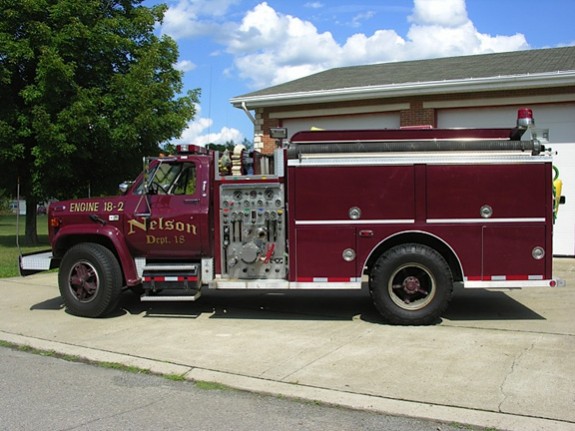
232, 47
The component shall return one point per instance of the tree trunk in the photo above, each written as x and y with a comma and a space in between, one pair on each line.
31, 225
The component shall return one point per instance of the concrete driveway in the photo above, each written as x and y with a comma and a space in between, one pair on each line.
500, 359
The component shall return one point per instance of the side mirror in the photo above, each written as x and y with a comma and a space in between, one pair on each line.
125, 186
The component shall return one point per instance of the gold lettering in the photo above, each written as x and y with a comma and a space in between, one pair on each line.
76, 207
136, 224
160, 225
160, 240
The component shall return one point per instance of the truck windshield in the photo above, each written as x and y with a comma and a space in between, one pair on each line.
171, 179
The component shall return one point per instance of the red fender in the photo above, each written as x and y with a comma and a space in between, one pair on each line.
75, 234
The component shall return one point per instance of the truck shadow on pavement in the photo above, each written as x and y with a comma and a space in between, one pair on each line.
56, 303
479, 304
320, 305
309, 305
466, 305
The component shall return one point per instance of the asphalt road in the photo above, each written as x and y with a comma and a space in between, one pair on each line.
45, 393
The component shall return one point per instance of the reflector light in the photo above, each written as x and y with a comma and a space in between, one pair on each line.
538, 253
55, 222
348, 254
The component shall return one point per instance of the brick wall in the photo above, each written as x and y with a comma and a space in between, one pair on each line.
417, 116
262, 140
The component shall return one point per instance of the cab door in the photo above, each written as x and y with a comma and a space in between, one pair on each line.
168, 218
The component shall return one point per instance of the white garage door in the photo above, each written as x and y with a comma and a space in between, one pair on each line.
363, 121
560, 120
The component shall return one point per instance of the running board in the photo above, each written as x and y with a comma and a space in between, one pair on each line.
171, 267
166, 298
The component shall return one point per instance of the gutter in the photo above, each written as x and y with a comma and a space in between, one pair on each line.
512, 82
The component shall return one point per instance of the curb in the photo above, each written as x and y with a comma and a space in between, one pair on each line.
394, 407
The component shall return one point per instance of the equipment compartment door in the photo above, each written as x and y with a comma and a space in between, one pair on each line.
508, 252
320, 254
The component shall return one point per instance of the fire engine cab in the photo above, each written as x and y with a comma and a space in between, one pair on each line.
412, 212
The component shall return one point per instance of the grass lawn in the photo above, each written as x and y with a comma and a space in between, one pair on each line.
8, 249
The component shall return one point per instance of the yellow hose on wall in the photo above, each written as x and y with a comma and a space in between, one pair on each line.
557, 187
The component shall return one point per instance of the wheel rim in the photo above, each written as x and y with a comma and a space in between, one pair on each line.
412, 286
84, 282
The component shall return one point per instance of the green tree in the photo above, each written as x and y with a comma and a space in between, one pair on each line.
87, 88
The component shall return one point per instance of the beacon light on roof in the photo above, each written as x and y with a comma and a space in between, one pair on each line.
190, 149
525, 118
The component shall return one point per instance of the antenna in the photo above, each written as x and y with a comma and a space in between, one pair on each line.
18, 216
210, 102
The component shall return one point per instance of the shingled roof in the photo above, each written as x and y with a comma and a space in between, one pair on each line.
509, 65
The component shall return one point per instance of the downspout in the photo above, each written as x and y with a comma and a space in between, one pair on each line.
248, 113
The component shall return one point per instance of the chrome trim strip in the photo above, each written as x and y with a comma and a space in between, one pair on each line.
298, 285
506, 284
487, 220
444, 158
220, 283
282, 285
352, 222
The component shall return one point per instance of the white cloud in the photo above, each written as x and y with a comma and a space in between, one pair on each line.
190, 18
502, 43
270, 47
198, 132
362, 49
313, 5
226, 134
185, 66
444, 13
361, 17
442, 28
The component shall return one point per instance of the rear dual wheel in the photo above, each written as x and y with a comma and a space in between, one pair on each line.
90, 280
411, 284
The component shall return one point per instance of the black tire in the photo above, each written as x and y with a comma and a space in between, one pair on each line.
90, 280
411, 284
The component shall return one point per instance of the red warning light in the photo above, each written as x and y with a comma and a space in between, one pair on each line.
525, 117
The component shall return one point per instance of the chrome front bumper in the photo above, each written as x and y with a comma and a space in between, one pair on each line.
31, 263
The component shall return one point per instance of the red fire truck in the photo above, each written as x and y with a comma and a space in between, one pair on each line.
413, 212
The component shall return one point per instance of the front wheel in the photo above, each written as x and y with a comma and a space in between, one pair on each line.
411, 284
90, 280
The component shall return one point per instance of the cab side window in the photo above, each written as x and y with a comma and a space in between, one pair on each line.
185, 183
172, 179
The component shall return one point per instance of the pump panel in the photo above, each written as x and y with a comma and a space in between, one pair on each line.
253, 231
